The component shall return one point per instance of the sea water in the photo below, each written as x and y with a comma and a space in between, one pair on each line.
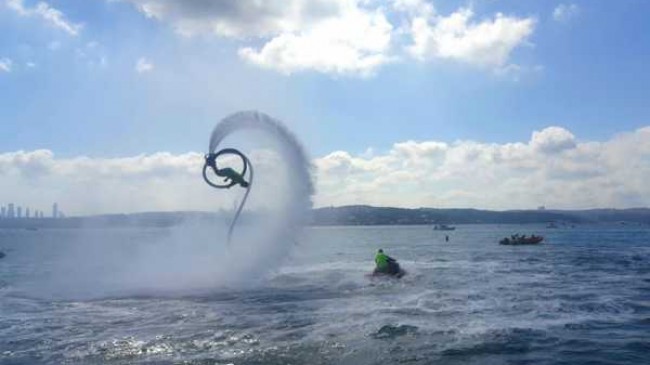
581, 297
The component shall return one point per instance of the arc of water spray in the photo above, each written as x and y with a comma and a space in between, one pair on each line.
289, 148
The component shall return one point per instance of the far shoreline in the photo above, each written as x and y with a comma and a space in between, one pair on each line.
351, 216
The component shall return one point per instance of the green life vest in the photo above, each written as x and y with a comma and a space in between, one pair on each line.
381, 260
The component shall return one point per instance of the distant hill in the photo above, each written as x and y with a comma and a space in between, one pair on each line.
350, 215
368, 215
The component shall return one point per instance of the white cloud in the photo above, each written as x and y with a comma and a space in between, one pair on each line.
351, 37
50, 15
86, 185
143, 65
5, 65
488, 43
552, 169
414, 7
242, 18
355, 42
553, 140
159, 181
329, 36
564, 12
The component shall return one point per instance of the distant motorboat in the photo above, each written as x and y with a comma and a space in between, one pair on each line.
521, 240
443, 227
552, 225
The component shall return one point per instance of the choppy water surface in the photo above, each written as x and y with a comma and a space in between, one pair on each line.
583, 297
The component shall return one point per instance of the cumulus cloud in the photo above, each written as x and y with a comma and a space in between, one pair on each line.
565, 12
350, 37
143, 65
5, 65
414, 7
86, 185
553, 140
241, 18
330, 36
486, 43
47, 13
355, 42
159, 181
553, 168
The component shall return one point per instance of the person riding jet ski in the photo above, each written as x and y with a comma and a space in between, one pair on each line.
386, 265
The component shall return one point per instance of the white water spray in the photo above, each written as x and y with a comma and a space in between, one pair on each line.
194, 256
276, 235
290, 150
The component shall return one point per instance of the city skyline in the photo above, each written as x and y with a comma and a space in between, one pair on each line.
14, 211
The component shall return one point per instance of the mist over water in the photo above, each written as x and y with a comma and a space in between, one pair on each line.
195, 256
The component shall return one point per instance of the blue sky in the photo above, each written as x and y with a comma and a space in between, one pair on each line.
71, 84
592, 80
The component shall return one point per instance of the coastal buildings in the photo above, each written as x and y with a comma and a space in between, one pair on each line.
12, 211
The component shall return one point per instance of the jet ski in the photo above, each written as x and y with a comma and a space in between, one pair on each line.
393, 270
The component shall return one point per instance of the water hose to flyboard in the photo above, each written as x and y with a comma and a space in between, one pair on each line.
231, 178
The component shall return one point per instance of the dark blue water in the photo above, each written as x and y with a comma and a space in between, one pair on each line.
582, 297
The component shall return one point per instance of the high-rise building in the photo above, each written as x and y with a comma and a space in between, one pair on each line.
55, 210
19, 212
3, 212
27, 213
10, 211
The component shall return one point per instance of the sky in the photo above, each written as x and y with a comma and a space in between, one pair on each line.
493, 104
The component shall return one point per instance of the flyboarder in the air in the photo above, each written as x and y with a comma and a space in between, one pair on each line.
230, 176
